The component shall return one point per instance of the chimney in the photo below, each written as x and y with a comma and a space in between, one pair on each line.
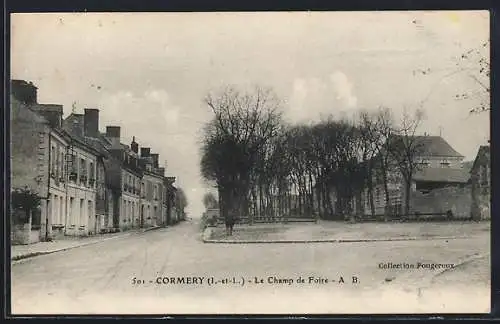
52, 113
25, 92
134, 146
91, 122
155, 157
113, 133
145, 151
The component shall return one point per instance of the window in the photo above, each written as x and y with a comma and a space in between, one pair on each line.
56, 161
81, 216
91, 174
72, 210
74, 168
61, 165
83, 172
423, 163
445, 163
61, 211
53, 161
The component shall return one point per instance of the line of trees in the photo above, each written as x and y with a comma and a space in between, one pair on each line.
263, 166
181, 203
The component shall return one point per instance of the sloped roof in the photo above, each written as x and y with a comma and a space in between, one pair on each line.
433, 146
437, 146
467, 165
442, 175
482, 153
97, 145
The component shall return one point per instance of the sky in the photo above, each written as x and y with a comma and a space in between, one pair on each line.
149, 72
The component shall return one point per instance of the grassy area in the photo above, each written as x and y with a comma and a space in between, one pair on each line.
342, 230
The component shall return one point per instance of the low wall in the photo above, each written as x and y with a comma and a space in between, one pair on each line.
458, 200
34, 236
20, 234
24, 234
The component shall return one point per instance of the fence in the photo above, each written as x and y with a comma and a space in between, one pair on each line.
267, 220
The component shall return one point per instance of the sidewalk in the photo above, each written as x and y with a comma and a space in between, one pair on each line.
19, 252
339, 232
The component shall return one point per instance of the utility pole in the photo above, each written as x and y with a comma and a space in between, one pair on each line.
440, 131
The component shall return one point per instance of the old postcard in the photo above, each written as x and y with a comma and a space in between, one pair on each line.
250, 163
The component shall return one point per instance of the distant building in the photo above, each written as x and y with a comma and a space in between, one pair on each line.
438, 165
124, 176
153, 185
168, 200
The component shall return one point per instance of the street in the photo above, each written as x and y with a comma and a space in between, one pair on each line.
137, 275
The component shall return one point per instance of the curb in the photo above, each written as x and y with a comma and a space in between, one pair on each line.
151, 229
335, 240
23, 257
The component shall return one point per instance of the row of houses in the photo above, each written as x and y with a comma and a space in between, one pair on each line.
88, 181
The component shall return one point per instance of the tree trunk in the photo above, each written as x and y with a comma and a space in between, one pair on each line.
370, 191
387, 206
407, 197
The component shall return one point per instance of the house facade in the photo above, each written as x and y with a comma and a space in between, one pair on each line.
124, 176
65, 167
168, 200
29, 137
81, 218
84, 127
152, 188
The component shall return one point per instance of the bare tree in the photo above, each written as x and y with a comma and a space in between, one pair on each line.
475, 64
404, 149
243, 123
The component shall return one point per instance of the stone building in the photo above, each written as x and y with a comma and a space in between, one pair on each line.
169, 200
152, 189
29, 133
85, 127
124, 176
437, 166
481, 184
65, 166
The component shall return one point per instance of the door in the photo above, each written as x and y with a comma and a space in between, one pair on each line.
142, 215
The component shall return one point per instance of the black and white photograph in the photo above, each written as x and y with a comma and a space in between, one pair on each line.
225, 163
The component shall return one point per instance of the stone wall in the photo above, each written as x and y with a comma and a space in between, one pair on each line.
456, 199
29, 158
20, 234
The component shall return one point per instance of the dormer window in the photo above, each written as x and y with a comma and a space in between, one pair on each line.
423, 163
445, 163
